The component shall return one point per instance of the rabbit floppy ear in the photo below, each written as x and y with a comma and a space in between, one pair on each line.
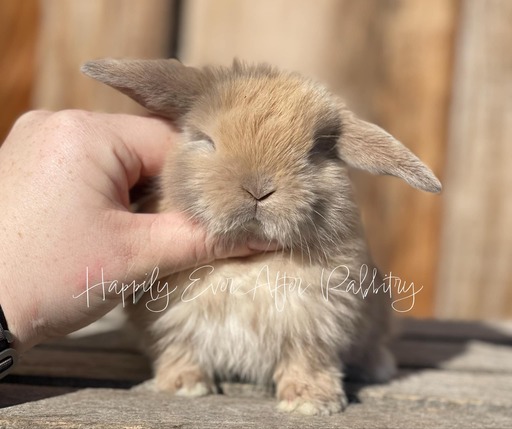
368, 147
165, 87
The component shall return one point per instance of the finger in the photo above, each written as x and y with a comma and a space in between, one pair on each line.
173, 243
148, 140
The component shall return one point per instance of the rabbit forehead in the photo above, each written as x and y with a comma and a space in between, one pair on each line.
266, 113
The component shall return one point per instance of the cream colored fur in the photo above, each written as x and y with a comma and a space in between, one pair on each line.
264, 154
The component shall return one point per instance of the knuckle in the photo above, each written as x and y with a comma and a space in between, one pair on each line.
67, 127
66, 120
30, 118
34, 115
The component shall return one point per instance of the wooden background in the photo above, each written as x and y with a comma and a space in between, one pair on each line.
437, 74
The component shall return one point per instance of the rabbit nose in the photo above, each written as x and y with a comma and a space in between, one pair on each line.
259, 194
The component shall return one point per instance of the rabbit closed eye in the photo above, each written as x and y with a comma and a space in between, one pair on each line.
265, 154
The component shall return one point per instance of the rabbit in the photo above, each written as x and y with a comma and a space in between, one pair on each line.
265, 154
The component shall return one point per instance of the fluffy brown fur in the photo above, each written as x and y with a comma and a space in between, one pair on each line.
265, 154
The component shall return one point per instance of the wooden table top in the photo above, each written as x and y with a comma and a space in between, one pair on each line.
452, 374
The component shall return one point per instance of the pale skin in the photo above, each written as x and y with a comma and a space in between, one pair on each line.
64, 196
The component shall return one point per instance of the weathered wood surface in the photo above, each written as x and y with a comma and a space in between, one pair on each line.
105, 408
453, 375
77, 31
475, 279
18, 34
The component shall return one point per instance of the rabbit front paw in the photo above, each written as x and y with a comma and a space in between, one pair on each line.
304, 393
190, 383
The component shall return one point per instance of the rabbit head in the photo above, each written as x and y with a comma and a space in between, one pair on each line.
264, 152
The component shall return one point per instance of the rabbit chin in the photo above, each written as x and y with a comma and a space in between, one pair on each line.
258, 229
255, 228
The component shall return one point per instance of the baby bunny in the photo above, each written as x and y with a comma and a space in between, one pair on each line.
264, 154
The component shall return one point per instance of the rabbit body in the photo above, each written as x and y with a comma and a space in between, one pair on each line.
264, 154
263, 319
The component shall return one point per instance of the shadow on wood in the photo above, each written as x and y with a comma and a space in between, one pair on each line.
111, 359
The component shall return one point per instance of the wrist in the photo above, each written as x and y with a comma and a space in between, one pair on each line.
8, 355
16, 314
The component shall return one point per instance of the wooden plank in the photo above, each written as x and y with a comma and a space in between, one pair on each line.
14, 394
471, 387
77, 31
87, 408
412, 50
476, 389
456, 331
86, 364
111, 341
475, 279
391, 61
19, 24
471, 356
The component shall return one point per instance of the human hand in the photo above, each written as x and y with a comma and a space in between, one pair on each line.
64, 190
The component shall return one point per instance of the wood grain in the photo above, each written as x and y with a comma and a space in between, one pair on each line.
19, 24
411, 88
440, 407
475, 278
79, 363
77, 31
455, 382
13, 394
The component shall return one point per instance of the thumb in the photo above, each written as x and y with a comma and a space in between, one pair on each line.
172, 242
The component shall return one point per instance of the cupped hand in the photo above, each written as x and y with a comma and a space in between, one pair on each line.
65, 222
